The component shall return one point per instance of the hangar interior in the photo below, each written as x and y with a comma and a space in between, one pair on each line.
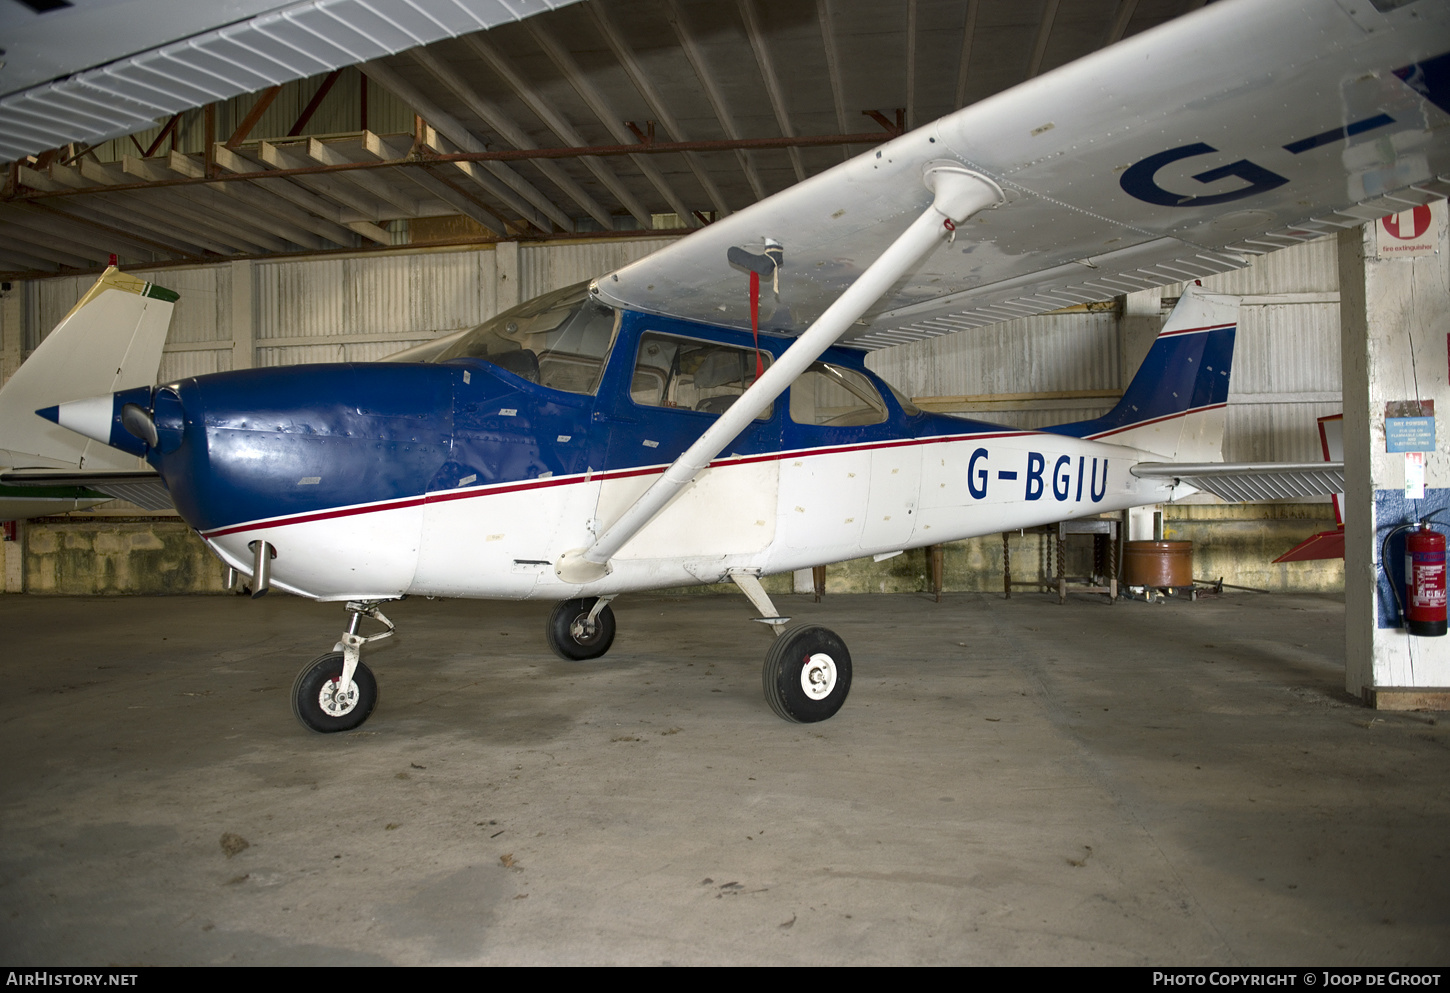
1025, 373
313, 220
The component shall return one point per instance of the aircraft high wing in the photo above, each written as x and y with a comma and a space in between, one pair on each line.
635, 433
1176, 154
110, 340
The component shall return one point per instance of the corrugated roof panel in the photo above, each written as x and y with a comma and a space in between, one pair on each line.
301, 41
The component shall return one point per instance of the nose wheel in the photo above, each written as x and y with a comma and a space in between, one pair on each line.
323, 704
336, 692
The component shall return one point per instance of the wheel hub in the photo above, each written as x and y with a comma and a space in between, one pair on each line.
818, 676
334, 701
583, 629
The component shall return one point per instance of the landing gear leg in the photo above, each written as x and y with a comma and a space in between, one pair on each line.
807, 672
337, 692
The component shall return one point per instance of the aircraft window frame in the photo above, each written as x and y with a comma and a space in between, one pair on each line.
530, 323
672, 379
871, 410
907, 405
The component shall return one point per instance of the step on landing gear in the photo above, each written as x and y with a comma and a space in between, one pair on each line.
337, 692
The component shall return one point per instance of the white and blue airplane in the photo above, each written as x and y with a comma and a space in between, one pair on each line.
636, 432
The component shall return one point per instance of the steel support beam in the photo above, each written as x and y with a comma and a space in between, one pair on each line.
1044, 32
454, 131
378, 186
259, 107
566, 132
607, 115
656, 102
969, 35
456, 198
772, 83
696, 59
833, 65
311, 203
313, 104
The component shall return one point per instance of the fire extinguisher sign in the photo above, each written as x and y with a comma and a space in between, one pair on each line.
1411, 232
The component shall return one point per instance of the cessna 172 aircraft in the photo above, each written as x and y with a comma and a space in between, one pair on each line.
633, 433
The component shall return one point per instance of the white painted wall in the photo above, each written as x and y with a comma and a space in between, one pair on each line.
1396, 312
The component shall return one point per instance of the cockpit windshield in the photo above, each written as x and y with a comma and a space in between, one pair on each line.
560, 340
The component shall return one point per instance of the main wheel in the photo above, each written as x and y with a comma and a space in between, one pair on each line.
573, 636
807, 674
320, 702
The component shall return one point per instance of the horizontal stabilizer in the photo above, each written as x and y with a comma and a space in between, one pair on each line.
1324, 545
1240, 481
143, 488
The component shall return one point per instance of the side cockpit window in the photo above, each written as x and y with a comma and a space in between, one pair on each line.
831, 396
560, 340
695, 375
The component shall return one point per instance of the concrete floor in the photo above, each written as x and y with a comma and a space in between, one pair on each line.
1010, 782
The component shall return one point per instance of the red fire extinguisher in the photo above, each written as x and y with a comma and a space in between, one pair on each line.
1425, 581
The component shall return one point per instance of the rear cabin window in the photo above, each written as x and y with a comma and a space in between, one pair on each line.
830, 396
692, 375
560, 340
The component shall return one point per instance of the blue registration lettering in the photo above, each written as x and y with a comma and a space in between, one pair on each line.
1062, 477
977, 478
1035, 464
1098, 492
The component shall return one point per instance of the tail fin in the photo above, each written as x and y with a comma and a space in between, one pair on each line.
111, 340
1176, 405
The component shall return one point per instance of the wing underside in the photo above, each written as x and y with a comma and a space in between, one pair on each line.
1177, 154
145, 489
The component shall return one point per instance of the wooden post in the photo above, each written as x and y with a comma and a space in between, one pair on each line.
1006, 567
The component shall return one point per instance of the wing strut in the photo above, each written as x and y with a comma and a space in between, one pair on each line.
959, 193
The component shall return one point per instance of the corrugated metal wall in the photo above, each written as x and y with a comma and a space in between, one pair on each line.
551, 267
365, 307
338, 309
1286, 364
361, 308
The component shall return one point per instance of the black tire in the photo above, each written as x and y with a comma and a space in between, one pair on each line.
320, 675
797, 656
567, 636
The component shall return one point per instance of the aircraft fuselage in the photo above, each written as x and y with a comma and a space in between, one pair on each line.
459, 478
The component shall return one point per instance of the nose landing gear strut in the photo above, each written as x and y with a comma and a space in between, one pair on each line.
337, 692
